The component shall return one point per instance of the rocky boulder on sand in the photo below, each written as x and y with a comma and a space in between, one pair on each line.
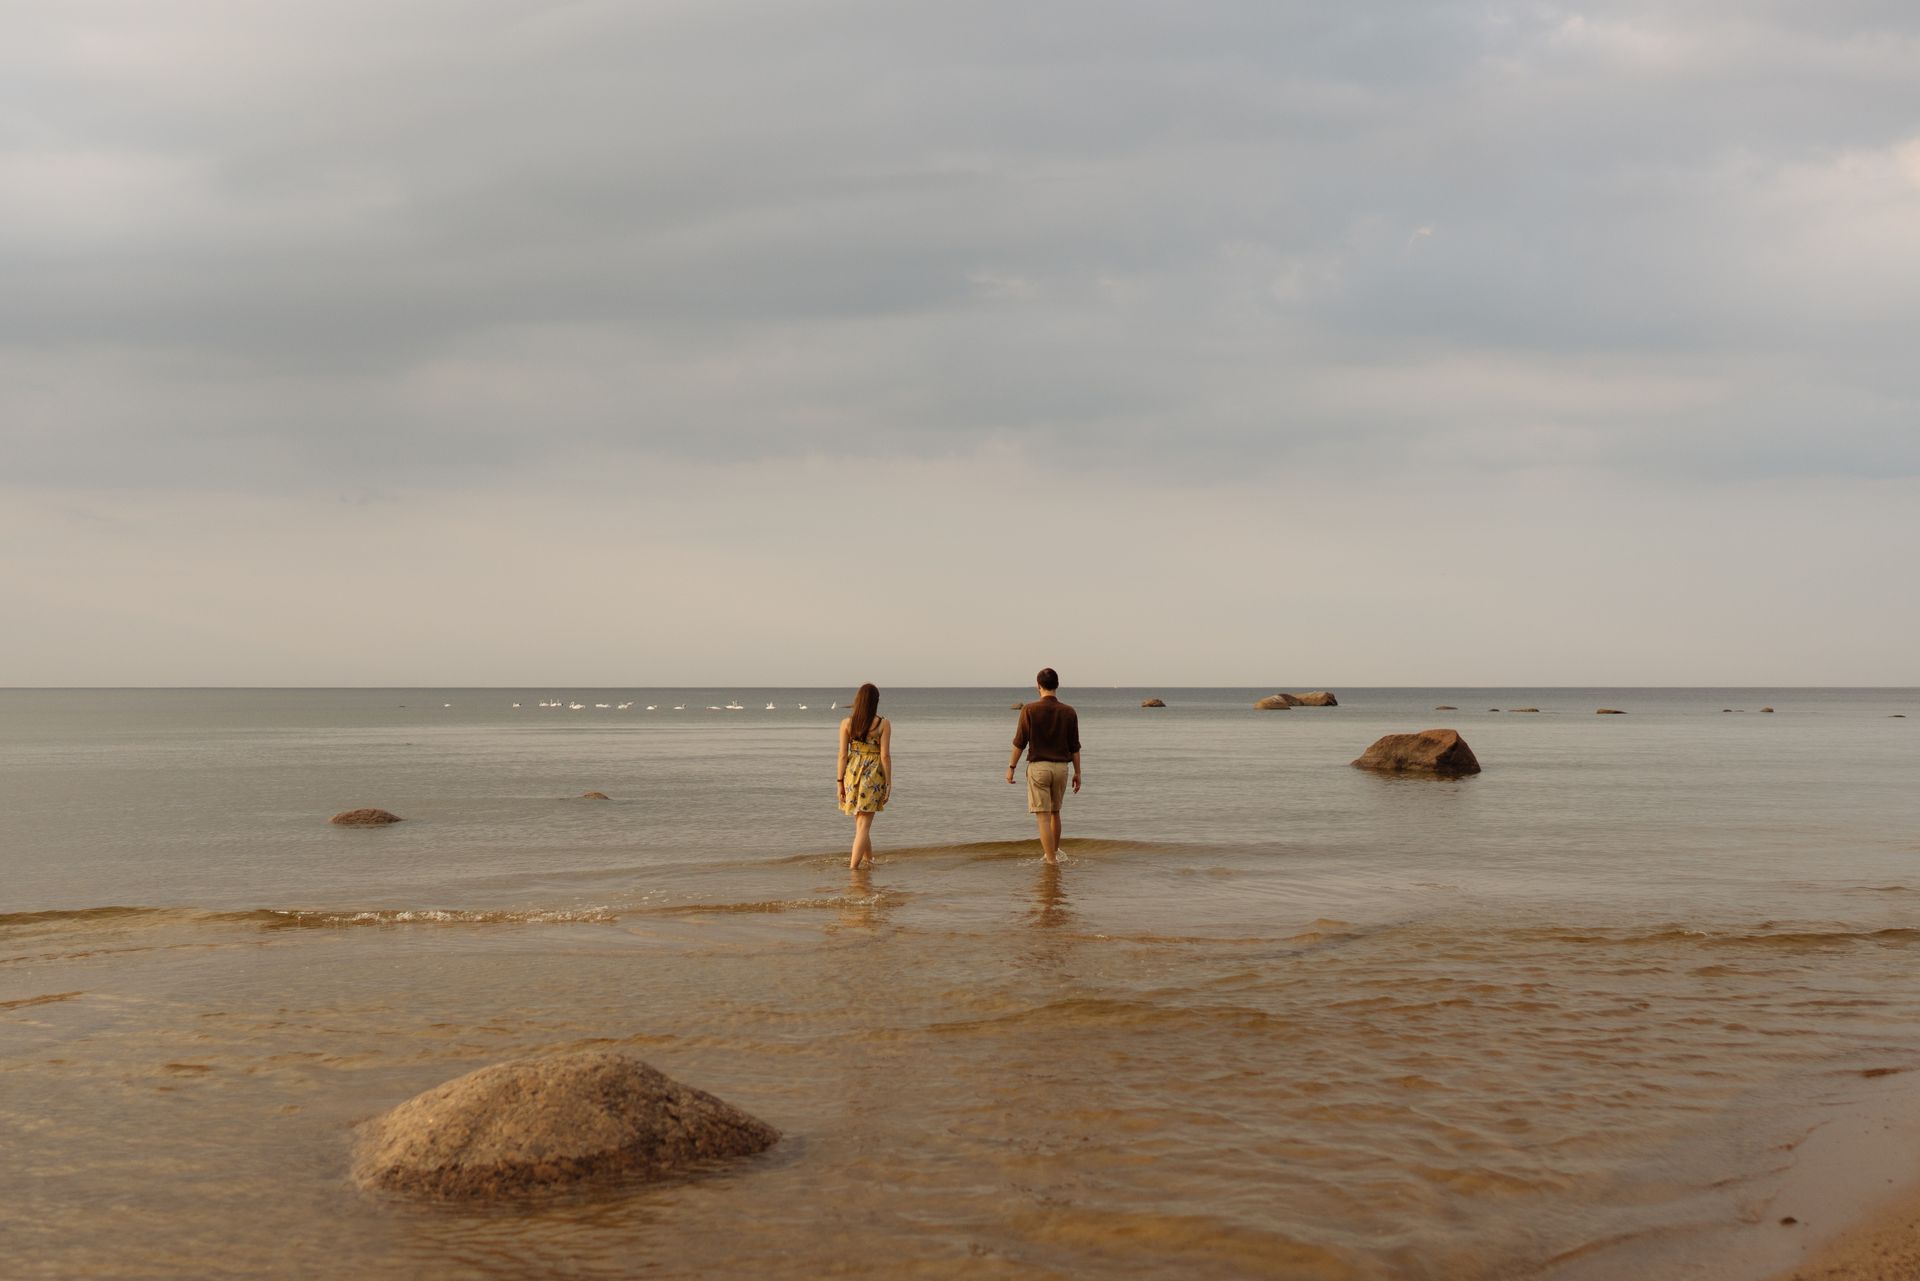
546, 1122
1275, 703
364, 818
1436, 753
1151, 702
1318, 698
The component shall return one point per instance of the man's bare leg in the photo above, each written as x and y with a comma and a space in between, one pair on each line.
1049, 825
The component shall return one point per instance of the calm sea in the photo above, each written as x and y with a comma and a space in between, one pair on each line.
1273, 1017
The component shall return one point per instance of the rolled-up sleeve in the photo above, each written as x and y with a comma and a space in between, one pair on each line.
1073, 731
1020, 730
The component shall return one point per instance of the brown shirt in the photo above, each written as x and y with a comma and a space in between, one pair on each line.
1049, 730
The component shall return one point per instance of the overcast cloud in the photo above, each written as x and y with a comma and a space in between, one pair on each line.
497, 341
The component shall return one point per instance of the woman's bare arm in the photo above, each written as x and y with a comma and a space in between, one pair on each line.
840, 770
886, 749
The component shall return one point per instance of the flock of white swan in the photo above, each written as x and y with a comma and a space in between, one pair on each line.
577, 706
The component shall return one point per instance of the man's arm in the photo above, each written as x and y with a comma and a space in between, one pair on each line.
1076, 772
1019, 744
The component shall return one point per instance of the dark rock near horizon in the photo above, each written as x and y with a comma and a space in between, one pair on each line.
1767, 709
1609, 711
1445, 707
548, 1122
1275, 703
1434, 753
1151, 702
595, 796
1317, 698
364, 818
1523, 709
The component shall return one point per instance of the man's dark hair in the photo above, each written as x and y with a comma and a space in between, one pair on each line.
1047, 679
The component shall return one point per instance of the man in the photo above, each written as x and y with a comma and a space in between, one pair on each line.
1049, 733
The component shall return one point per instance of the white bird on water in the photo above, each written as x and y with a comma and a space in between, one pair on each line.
803, 707
681, 708
516, 704
649, 706
770, 707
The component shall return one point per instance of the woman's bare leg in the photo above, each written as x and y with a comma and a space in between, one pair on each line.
862, 841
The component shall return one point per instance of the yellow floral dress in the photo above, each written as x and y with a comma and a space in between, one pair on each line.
866, 779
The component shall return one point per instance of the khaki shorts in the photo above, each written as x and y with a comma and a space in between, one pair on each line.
1046, 786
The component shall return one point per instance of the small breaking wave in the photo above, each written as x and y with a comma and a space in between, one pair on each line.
287, 918
1764, 934
300, 918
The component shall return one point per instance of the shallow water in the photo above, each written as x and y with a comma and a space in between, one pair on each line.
1273, 1016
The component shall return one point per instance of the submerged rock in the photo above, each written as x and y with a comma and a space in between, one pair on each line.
1151, 702
1436, 753
1445, 707
595, 796
1318, 698
1766, 709
1275, 703
1523, 709
550, 1121
364, 818
1609, 711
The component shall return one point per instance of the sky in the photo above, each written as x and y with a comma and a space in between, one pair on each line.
709, 342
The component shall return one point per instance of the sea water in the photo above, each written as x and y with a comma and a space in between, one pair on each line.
1272, 1016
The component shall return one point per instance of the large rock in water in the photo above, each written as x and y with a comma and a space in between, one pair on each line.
1151, 702
1275, 703
1436, 753
1318, 698
547, 1122
364, 818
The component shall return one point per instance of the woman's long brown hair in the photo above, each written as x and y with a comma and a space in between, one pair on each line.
865, 703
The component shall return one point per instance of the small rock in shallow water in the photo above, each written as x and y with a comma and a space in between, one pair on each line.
595, 796
364, 818
547, 1122
1609, 711
1151, 702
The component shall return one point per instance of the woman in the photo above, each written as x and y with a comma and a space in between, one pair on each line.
866, 770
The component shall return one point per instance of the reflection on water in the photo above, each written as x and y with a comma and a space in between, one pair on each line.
1050, 909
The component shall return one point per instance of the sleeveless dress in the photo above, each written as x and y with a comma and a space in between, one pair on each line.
867, 783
